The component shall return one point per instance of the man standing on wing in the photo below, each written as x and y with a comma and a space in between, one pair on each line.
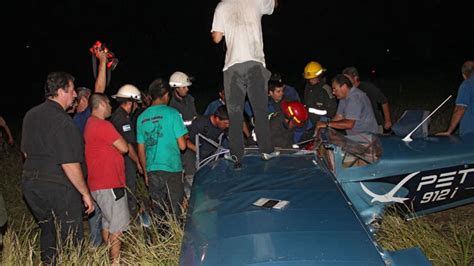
244, 70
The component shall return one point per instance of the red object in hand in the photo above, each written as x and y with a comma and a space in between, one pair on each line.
112, 61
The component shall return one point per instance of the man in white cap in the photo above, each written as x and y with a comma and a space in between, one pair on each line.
128, 96
181, 99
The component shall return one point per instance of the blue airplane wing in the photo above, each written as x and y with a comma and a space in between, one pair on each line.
318, 226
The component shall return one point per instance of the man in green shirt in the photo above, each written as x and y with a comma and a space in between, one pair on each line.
161, 136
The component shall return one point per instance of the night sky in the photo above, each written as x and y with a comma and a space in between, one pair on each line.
155, 38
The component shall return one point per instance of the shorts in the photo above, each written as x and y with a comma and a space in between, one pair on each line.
115, 214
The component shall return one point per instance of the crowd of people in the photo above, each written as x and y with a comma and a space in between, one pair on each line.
82, 156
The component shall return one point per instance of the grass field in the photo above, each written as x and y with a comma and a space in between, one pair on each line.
447, 238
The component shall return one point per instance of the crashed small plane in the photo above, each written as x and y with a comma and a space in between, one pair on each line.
320, 206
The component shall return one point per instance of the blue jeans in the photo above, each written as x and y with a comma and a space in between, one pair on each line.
95, 226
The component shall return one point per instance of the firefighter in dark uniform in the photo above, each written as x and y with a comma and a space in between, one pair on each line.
283, 124
128, 96
52, 180
318, 94
181, 100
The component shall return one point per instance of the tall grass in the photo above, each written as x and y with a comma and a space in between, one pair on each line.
21, 247
21, 240
450, 244
446, 237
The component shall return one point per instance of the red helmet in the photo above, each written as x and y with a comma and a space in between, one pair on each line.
295, 111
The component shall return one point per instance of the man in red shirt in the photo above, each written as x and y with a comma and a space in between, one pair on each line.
106, 172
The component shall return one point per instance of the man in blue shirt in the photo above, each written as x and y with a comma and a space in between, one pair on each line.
289, 92
83, 111
214, 105
464, 111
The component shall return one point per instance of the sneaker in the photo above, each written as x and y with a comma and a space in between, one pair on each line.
268, 156
230, 157
237, 165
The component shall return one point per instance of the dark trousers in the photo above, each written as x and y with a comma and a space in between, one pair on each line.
95, 226
131, 181
166, 192
52, 203
251, 79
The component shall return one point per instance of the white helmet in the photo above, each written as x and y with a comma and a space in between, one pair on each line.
179, 79
128, 92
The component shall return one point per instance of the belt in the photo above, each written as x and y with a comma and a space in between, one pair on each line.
37, 175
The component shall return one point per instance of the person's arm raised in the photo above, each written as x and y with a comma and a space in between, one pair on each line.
101, 80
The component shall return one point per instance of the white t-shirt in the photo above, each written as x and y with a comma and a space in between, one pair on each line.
240, 21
